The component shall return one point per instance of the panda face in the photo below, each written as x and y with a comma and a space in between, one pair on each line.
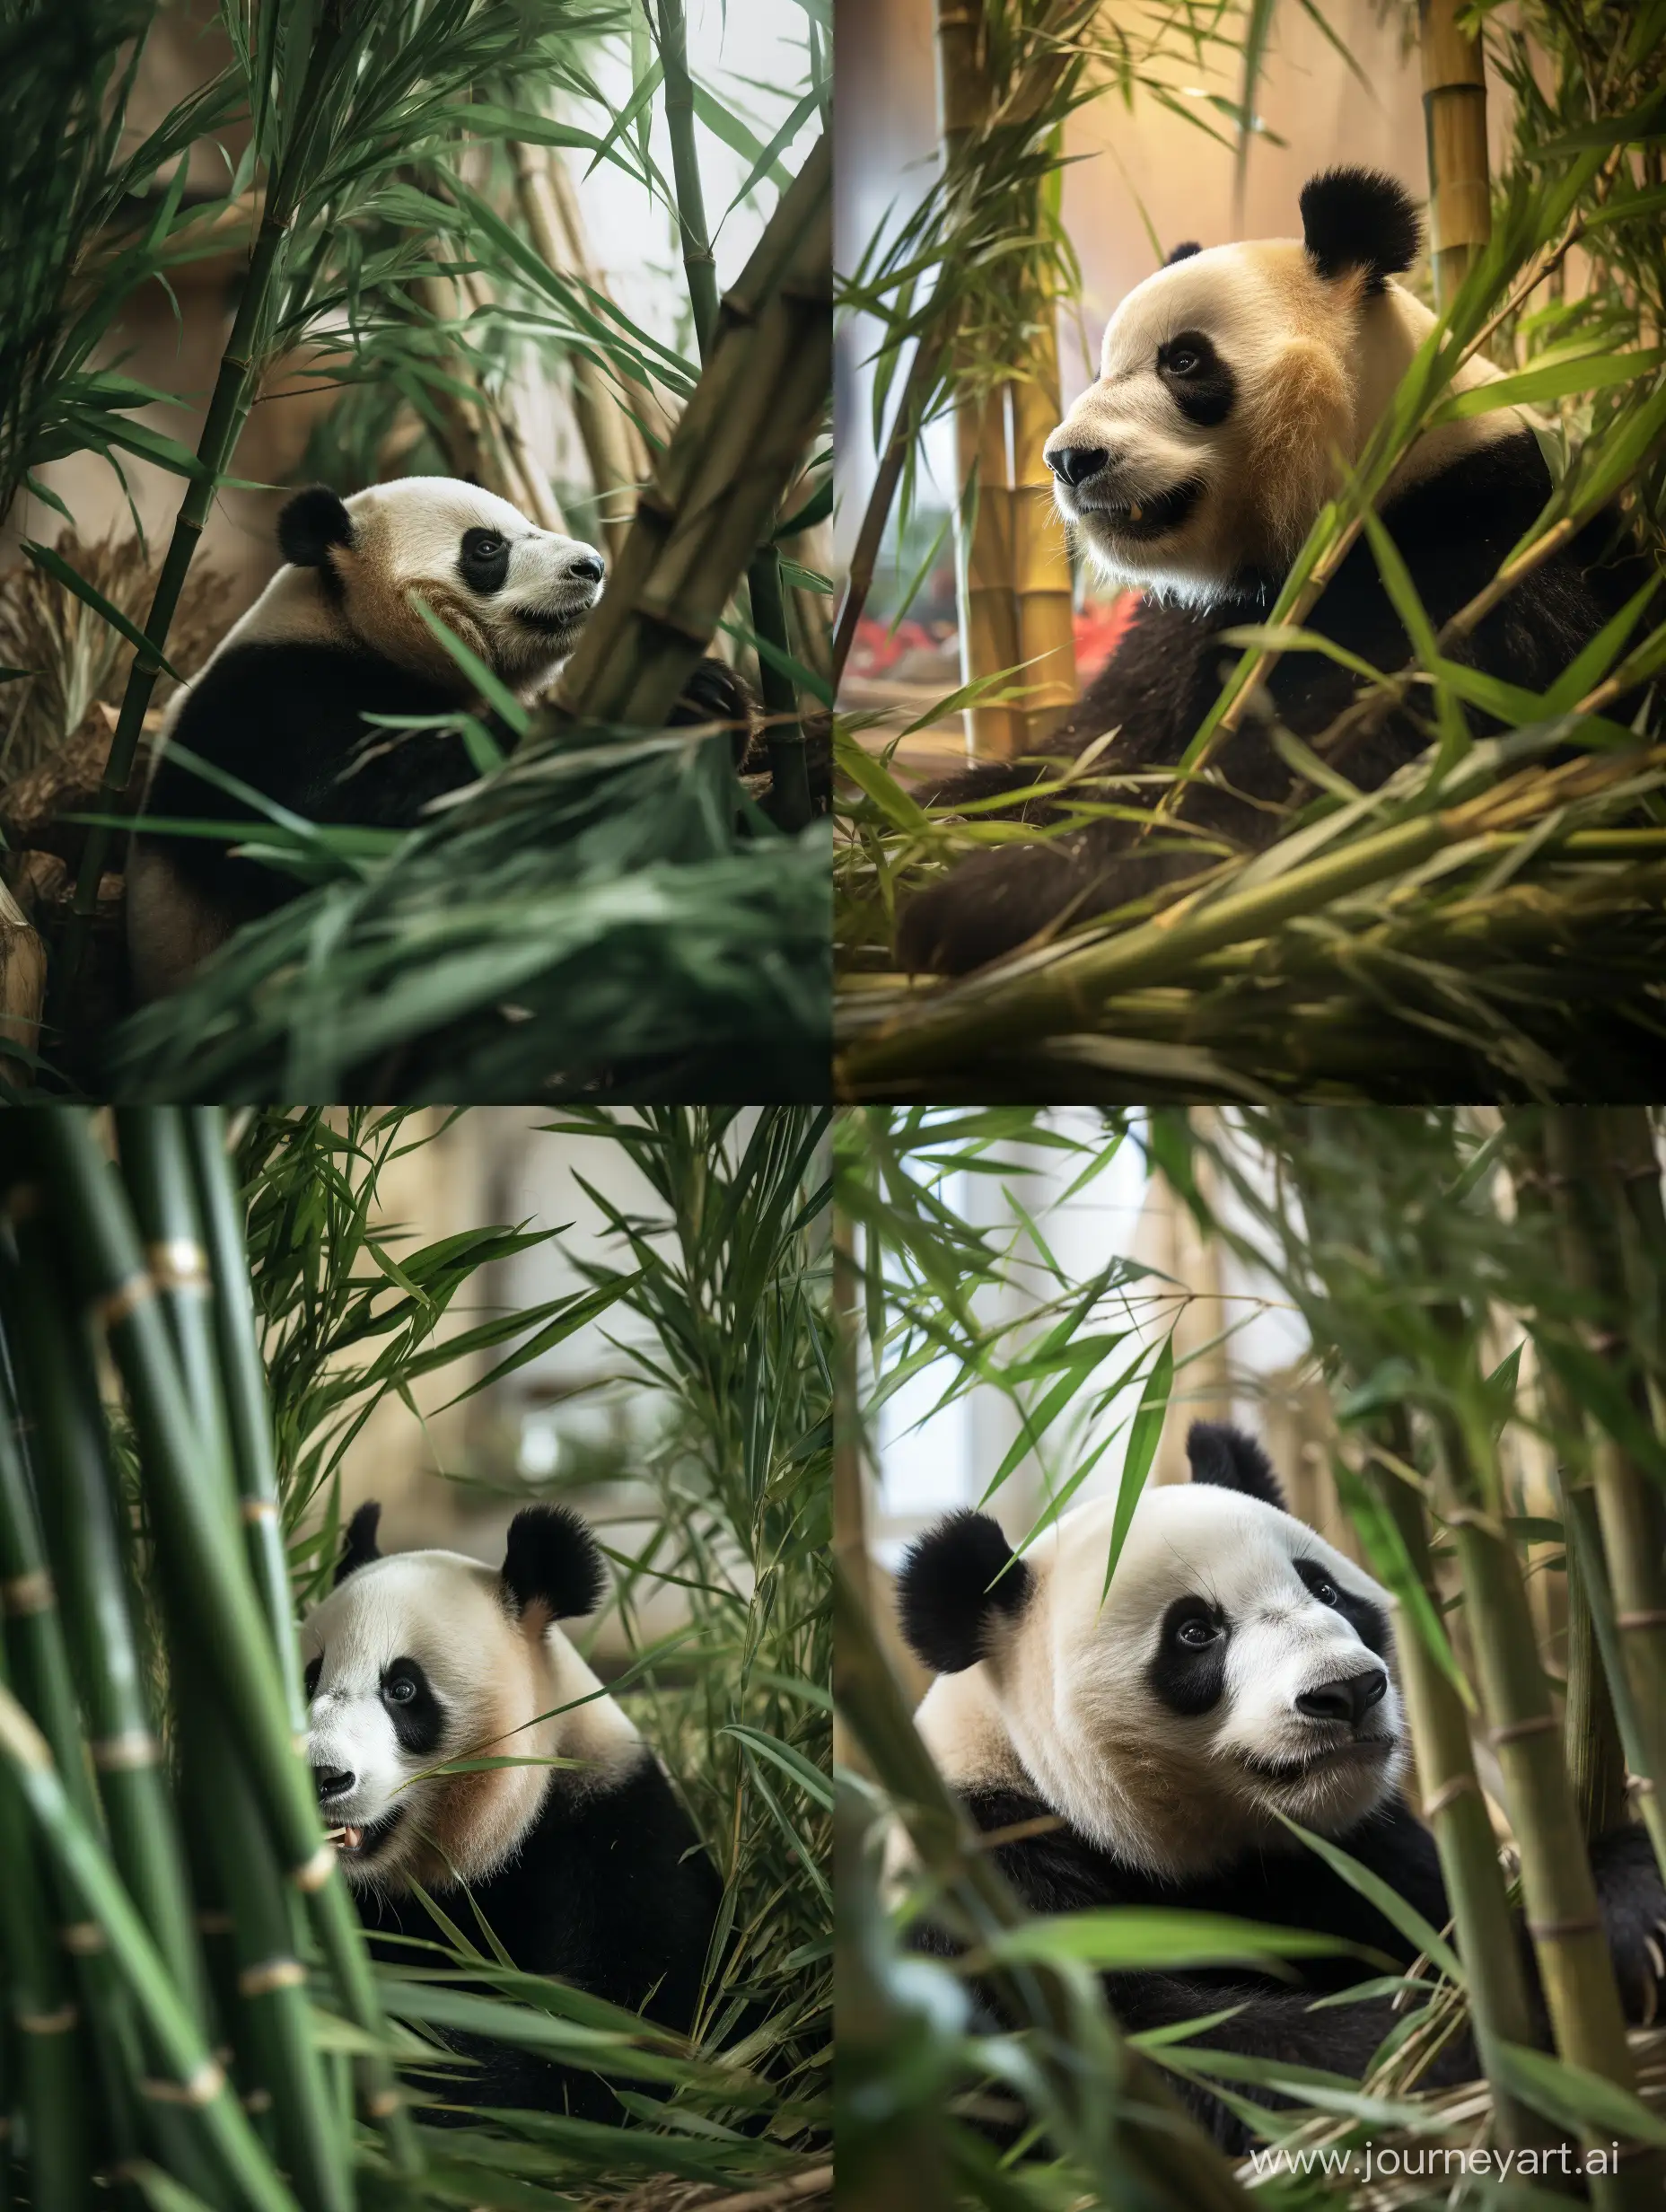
423, 1659
1239, 1669
516, 595
1203, 450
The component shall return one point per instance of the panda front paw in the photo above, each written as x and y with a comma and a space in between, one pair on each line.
1633, 1899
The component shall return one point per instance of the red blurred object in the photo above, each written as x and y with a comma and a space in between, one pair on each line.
877, 648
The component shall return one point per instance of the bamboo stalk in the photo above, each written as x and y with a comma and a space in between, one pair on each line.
1584, 1177
1585, 1541
1563, 1919
739, 444
613, 445
650, 426
1456, 1810
789, 772
1047, 640
218, 1611
1454, 106
698, 262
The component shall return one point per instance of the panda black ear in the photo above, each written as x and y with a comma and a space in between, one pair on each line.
947, 1589
1183, 253
1222, 1454
552, 1562
1359, 218
310, 523
360, 1547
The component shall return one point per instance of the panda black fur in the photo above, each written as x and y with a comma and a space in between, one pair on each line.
590, 1871
1239, 1668
334, 638
1192, 469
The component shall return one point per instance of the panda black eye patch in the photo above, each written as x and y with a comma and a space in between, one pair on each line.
1367, 1619
412, 1708
483, 562
1188, 1669
315, 1667
1199, 380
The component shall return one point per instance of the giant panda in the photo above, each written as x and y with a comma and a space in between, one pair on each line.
587, 1869
1239, 1668
1191, 469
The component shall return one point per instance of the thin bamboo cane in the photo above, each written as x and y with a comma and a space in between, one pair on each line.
1454, 106
1563, 1920
698, 262
1586, 1539
739, 444
613, 445
1582, 1178
270, 1989
218, 1608
197, 2079
646, 421
1456, 1810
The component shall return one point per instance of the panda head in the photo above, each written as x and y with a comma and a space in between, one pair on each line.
1229, 383
516, 595
1239, 1668
426, 1657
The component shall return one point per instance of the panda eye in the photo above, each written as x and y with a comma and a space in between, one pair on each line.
1183, 362
1198, 1635
315, 1667
484, 546
1325, 1590
399, 1689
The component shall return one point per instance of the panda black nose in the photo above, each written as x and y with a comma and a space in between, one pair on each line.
332, 1782
1075, 463
590, 565
1349, 1700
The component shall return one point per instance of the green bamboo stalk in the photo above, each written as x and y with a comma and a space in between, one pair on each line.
199, 2082
219, 1610
270, 1987
244, 1381
39, 2000
789, 770
739, 444
1559, 1892
1585, 1542
1456, 1810
698, 262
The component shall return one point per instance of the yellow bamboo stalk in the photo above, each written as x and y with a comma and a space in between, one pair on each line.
1046, 641
614, 446
1454, 108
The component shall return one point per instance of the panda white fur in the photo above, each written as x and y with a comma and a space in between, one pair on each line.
589, 1871
1192, 469
333, 638
1239, 1668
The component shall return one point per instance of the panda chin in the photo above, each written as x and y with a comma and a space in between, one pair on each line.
1117, 523
1342, 1782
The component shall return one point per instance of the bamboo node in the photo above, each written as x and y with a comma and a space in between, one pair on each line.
1551, 1931
202, 2087
116, 1305
271, 1974
315, 1872
48, 2023
1512, 1732
1639, 1785
383, 2104
213, 1921
83, 1937
125, 1753
1449, 1793
255, 1509
27, 1593
178, 1263
1655, 1620
257, 2101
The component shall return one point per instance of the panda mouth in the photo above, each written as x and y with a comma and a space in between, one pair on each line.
1144, 519
552, 622
1286, 1773
362, 1840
